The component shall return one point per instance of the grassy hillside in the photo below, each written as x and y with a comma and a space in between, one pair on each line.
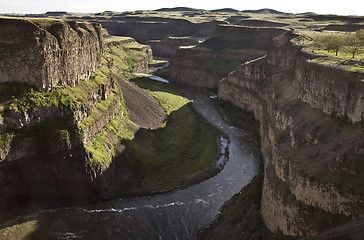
161, 159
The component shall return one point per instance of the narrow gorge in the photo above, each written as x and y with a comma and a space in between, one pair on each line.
91, 148
311, 117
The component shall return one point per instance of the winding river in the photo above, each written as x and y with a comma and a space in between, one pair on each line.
175, 215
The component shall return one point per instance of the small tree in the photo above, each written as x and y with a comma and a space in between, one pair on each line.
335, 43
329, 43
326, 42
353, 43
318, 42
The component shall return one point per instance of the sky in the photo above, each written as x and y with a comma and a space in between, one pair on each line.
347, 7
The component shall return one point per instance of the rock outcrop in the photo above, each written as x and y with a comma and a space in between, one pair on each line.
56, 146
208, 62
48, 53
164, 35
311, 117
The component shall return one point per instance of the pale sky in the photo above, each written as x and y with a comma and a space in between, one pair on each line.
346, 7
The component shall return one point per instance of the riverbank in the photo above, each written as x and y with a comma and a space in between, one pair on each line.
183, 151
238, 221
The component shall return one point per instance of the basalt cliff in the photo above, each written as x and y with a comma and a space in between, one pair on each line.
49, 53
311, 127
205, 64
63, 103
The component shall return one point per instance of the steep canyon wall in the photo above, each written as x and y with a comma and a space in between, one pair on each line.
56, 146
311, 118
164, 35
213, 59
48, 53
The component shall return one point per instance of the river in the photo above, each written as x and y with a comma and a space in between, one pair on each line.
174, 215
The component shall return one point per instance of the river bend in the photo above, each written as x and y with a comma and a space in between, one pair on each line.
175, 215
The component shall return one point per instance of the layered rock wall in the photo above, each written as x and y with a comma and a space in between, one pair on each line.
48, 53
56, 146
160, 33
311, 136
324, 86
236, 37
205, 64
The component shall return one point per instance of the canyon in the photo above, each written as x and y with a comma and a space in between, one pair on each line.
64, 130
304, 123
75, 103
205, 64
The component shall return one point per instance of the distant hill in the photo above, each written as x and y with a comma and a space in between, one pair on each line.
344, 27
178, 9
260, 23
307, 14
225, 10
330, 17
264, 11
55, 13
187, 9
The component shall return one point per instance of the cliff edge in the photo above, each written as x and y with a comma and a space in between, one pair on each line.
63, 111
48, 53
206, 64
311, 126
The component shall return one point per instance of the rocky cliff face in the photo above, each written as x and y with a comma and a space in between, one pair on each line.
48, 53
163, 34
56, 145
205, 64
311, 117
237, 37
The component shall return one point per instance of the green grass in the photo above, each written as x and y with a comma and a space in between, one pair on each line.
184, 146
341, 54
345, 64
110, 38
20, 97
343, 60
158, 61
100, 108
101, 147
46, 23
162, 159
23, 97
124, 56
5, 141
170, 99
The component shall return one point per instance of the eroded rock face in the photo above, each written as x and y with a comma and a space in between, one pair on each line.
48, 53
47, 152
331, 89
208, 62
312, 155
163, 34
